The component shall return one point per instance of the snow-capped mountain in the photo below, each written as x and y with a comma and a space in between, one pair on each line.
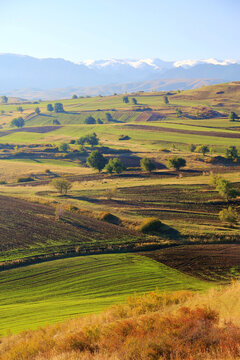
21, 72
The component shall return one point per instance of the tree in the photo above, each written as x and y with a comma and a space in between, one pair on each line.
18, 122
64, 147
176, 162
20, 109
4, 99
99, 121
115, 165
61, 185
232, 116
56, 122
229, 215
90, 120
90, 139
37, 110
224, 188
58, 108
202, 149
192, 147
179, 112
147, 165
125, 99
49, 107
134, 100
232, 153
165, 99
109, 117
74, 96
96, 160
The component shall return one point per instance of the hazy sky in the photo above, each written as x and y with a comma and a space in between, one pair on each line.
101, 29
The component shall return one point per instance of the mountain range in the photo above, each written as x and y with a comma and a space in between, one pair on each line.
30, 77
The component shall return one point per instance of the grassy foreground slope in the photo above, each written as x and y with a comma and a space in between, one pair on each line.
151, 327
45, 293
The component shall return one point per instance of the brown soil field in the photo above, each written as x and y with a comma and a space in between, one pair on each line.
35, 129
24, 225
219, 262
182, 131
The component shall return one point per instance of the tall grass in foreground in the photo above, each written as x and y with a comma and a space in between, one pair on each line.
154, 326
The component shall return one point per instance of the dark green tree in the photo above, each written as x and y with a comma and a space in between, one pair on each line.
165, 99
37, 110
115, 165
58, 108
64, 147
4, 99
90, 120
179, 112
74, 96
134, 100
176, 162
109, 117
233, 116
202, 149
49, 107
232, 153
20, 109
18, 122
125, 99
147, 165
96, 160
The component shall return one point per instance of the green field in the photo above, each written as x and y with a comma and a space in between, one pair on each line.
45, 293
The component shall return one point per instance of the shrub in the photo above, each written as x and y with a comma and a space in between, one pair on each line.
56, 122
124, 137
229, 215
151, 225
108, 217
25, 179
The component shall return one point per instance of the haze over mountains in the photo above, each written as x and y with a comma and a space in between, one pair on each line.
30, 77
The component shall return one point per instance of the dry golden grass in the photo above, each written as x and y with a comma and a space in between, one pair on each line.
174, 326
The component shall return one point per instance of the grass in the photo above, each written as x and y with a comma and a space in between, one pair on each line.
45, 293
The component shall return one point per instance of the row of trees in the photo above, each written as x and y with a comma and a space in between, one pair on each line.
58, 107
231, 152
125, 99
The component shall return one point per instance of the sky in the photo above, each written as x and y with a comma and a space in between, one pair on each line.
103, 29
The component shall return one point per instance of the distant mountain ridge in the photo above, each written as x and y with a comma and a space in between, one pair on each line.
26, 74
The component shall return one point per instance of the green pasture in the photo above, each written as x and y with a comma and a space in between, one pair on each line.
52, 291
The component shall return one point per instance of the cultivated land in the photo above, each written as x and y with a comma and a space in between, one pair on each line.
37, 244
